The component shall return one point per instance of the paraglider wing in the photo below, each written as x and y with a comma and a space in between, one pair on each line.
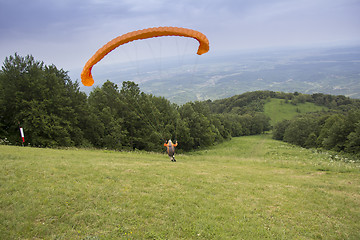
86, 76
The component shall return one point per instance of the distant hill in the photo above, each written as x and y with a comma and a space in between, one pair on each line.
279, 106
333, 71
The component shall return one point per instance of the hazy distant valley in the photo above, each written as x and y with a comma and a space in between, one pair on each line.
329, 70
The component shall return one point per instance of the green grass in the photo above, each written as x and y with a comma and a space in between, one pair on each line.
278, 110
248, 188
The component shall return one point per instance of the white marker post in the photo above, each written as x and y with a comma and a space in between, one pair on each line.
22, 135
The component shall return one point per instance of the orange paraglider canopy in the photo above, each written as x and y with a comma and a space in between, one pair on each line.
86, 77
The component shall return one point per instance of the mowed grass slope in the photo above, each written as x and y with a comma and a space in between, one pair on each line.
247, 188
278, 110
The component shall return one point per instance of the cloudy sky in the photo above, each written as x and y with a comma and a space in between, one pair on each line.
67, 32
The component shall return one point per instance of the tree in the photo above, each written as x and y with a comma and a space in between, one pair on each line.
261, 123
332, 134
107, 124
353, 140
311, 141
232, 124
279, 129
299, 130
183, 134
43, 100
201, 130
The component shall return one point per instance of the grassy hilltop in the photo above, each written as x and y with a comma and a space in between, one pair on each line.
247, 188
278, 110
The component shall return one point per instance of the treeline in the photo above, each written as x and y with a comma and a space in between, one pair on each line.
255, 101
332, 130
337, 129
55, 113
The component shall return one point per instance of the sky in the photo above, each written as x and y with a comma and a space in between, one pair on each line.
68, 32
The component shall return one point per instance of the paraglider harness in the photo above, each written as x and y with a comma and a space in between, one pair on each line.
170, 148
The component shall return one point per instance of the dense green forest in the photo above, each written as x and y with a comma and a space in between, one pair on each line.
55, 113
338, 131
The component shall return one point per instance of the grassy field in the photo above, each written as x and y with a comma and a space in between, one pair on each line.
278, 110
248, 188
